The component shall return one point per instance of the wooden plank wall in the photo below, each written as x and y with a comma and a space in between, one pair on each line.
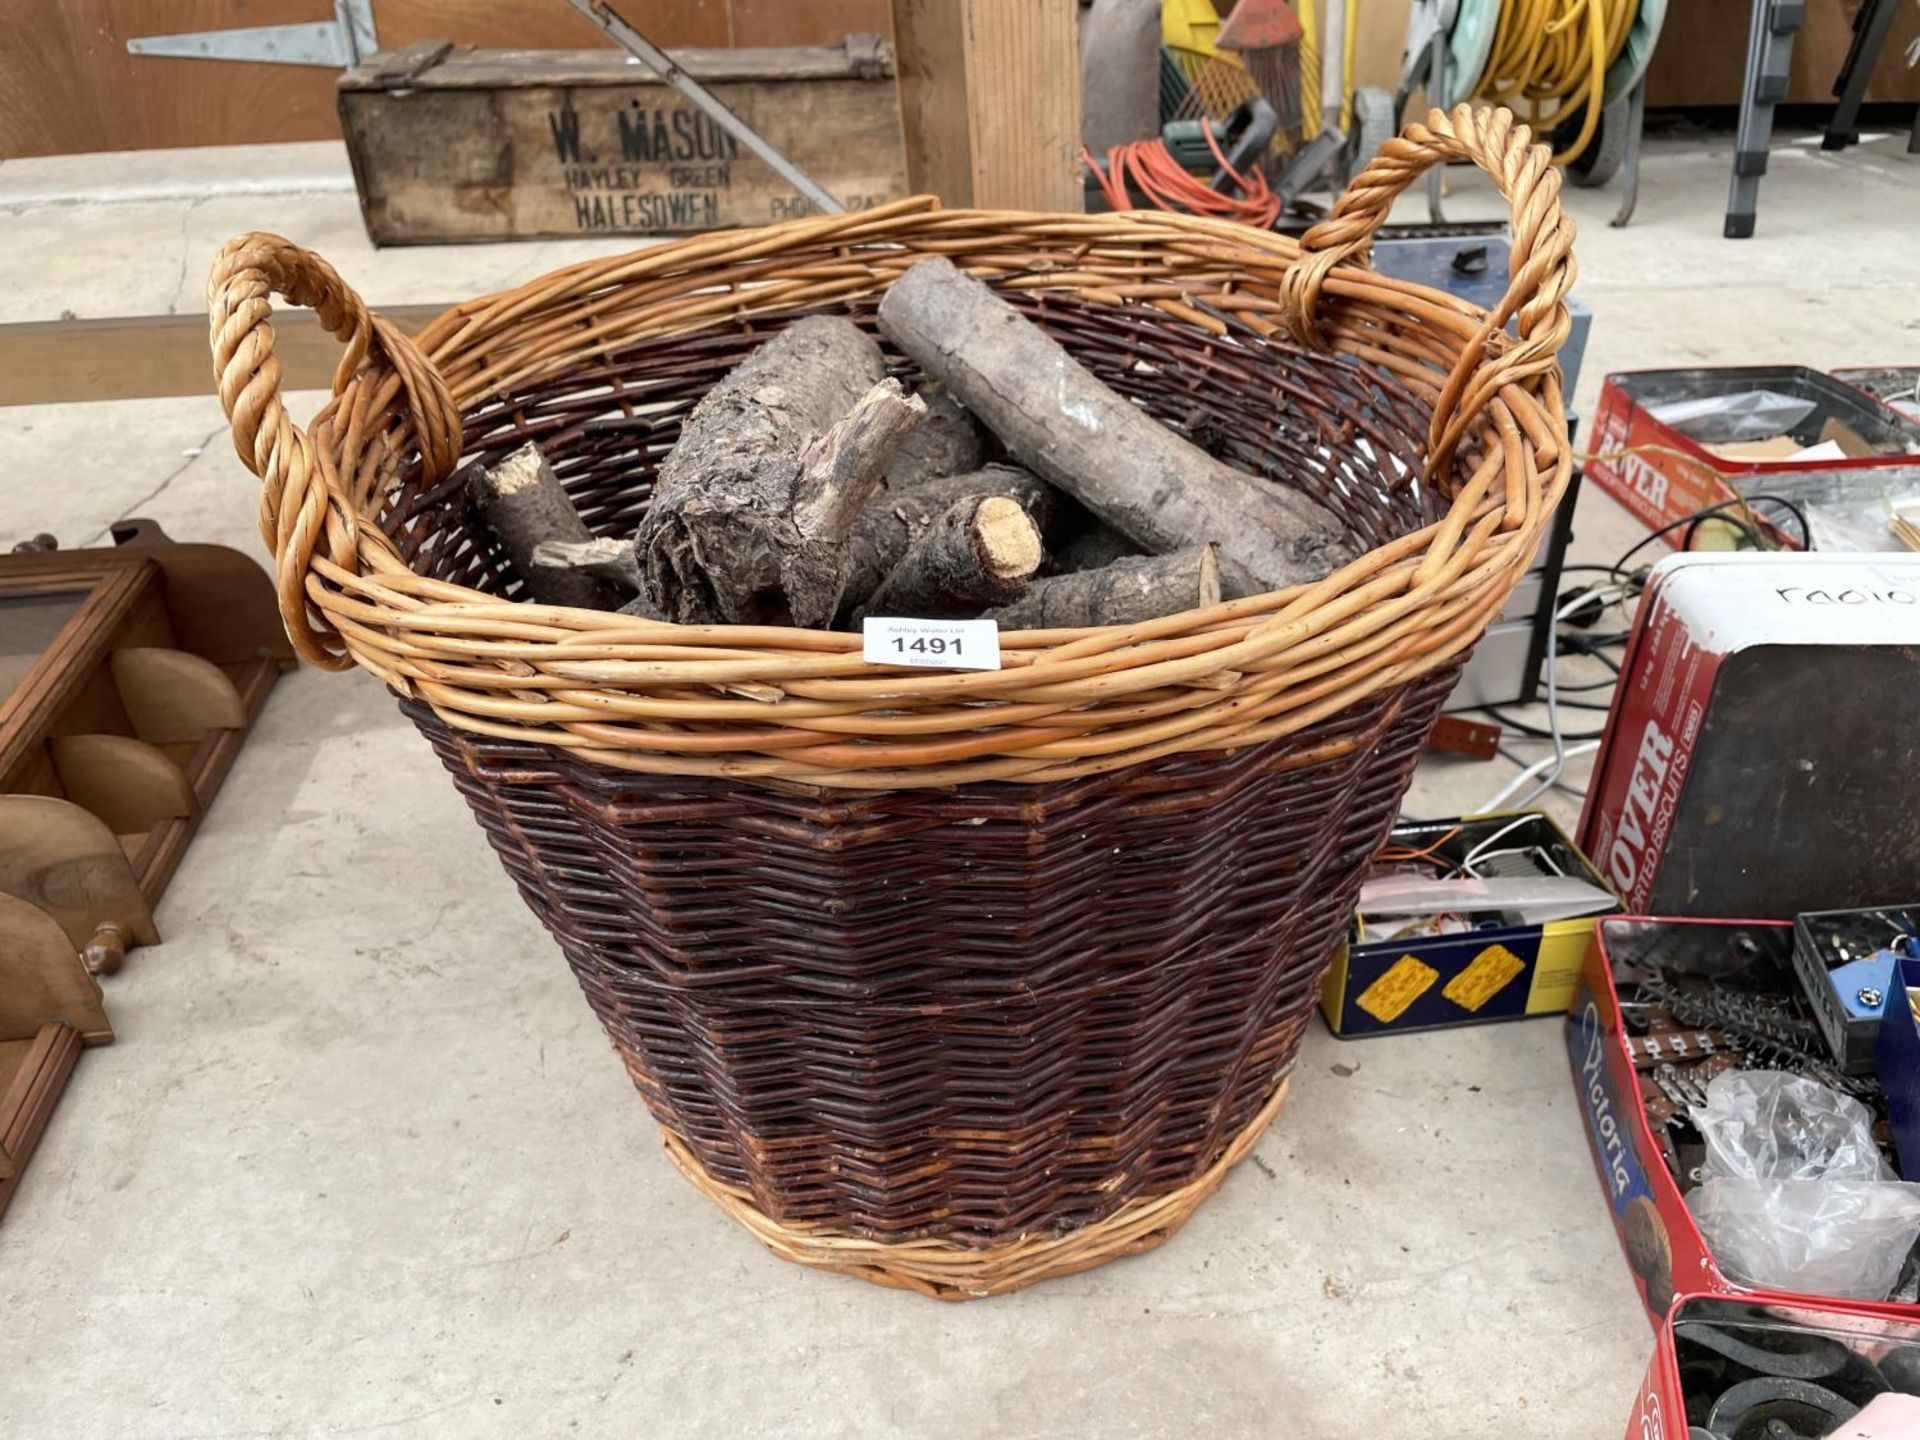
67, 84
990, 101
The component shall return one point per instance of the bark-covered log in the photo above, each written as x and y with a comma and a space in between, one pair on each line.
894, 518
641, 606
609, 560
1093, 547
722, 540
1054, 417
525, 504
947, 442
1124, 592
981, 551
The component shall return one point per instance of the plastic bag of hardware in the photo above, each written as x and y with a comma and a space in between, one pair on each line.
1730, 419
1794, 1194
1770, 1125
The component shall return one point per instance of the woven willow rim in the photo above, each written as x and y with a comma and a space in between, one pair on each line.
943, 1270
801, 705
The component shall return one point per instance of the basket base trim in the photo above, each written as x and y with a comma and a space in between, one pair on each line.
945, 1271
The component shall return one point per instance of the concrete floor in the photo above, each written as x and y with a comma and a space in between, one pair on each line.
361, 1162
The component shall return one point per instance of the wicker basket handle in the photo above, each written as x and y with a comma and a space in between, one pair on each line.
302, 503
1541, 265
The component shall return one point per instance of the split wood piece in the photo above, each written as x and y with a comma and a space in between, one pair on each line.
841, 468
1125, 592
524, 504
891, 521
980, 552
752, 505
1156, 488
611, 560
947, 441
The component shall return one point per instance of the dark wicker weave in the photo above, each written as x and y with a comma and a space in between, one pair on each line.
949, 981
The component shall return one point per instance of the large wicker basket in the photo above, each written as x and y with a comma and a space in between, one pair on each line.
954, 981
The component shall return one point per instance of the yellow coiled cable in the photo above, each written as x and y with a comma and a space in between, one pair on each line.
1550, 58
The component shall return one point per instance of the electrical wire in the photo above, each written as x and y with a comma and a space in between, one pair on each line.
1744, 503
1560, 782
1556, 762
1550, 58
1147, 166
1533, 731
1466, 863
1402, 853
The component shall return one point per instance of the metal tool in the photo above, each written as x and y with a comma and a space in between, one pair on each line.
662, 64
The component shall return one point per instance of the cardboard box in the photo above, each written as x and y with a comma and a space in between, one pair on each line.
1758, 755
1435, 982
1685, 1376
1662, 476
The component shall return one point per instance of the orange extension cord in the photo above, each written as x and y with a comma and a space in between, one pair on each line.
1149, 167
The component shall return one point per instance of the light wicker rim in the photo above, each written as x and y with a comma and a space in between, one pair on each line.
944, 1270
788, 704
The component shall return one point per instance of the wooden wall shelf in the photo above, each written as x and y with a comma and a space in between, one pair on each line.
129, 677
49, 1008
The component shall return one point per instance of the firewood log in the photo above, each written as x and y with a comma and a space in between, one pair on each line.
1092, 548
896, 516
981, 551
947, 442
1054, 417
1123, 592
752, 506
524, 503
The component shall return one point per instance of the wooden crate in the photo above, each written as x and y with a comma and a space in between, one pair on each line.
451, 143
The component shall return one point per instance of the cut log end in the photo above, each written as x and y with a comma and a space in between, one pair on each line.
894, 518
521, 471
1009, 541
